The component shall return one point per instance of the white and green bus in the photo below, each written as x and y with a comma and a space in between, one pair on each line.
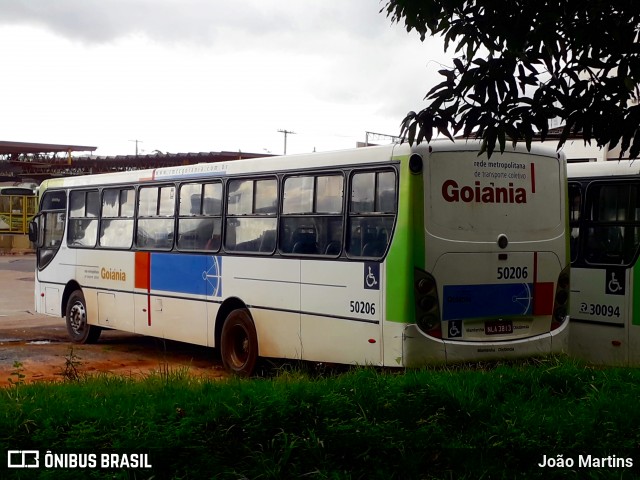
605, 284
389, 256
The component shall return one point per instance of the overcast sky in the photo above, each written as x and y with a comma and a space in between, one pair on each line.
208, 75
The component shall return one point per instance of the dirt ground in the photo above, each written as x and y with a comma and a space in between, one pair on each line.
36, 347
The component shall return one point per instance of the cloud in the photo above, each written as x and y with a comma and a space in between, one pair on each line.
194, 21
197, 75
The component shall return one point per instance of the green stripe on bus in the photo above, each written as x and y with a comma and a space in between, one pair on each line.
635, 304
407, 248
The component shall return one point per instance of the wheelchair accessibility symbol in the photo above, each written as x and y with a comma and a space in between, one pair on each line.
372, 276
615, 281
455, 328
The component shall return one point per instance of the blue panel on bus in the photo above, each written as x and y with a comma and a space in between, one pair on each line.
489, 300
183, 273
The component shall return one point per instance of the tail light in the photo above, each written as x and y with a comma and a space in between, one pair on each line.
561, 299
427, 305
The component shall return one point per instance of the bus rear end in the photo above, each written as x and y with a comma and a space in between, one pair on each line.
495, 278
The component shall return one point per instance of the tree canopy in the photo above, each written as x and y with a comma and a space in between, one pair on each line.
521, 63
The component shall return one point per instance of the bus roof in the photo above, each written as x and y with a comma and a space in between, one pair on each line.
373, 154
612, 168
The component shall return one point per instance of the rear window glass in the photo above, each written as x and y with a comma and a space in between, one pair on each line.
472, 198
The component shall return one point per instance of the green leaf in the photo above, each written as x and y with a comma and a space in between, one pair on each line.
502, 139
412, 132
634, 151
528, 138
483, 147
523, 64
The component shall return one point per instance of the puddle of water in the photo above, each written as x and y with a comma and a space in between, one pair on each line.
9, 340
39, 342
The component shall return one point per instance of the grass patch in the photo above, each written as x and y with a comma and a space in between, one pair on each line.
474, 421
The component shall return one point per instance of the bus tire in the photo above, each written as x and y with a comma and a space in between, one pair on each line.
239, 343
77, 327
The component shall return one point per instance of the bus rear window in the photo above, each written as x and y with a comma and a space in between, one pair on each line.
473, 198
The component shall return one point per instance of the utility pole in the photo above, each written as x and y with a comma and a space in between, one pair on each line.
137, 141
286, 132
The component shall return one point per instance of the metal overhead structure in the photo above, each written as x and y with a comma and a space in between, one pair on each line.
39, 161
20, 148
20, 160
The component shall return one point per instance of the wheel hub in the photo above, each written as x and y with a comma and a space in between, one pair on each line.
78, 317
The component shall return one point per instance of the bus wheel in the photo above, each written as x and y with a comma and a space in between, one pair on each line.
239, 343
77, 327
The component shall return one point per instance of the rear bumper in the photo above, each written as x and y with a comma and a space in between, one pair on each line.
420, 349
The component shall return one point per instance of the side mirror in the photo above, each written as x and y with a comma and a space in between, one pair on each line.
33, 230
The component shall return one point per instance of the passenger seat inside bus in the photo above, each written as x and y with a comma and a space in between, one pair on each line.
605, 245
304, 241
333, 248
376, 247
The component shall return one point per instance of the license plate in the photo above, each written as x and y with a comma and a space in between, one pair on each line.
498, 328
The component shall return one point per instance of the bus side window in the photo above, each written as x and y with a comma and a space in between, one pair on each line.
268, 241
155, 217
116, 223
312, 222
196, 201
332, 238
251, 215
200, 216
333, 248
83, 218
575, 207
51, 224
605, 245
612, 224
376, 246
372, 208
304, 240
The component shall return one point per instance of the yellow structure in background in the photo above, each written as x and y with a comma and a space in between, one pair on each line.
16, 211
23, 165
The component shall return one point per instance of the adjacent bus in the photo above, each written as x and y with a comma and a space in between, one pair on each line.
389, 256
17, 207
605, 236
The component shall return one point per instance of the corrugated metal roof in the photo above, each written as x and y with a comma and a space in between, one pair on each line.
27, 147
